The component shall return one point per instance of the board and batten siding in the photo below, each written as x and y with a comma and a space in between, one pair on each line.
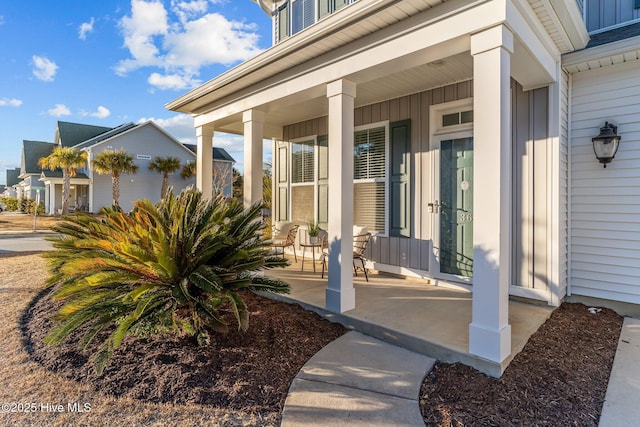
608, 13
412, 253
143, 140
605, 203
531, 175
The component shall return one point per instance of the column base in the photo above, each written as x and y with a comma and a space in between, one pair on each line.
340, 301
490, 344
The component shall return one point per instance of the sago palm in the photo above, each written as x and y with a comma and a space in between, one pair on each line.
68, 159
164, 165
177, 265
114, 163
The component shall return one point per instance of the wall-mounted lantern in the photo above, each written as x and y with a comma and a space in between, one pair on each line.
605, 145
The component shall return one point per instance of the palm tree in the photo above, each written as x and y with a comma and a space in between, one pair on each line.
177, 266
164, 165
188, 170
68, 159
114, 163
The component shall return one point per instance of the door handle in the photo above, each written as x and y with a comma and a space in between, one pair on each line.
435, 207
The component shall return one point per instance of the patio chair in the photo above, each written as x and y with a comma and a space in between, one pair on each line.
360, 243
288, 240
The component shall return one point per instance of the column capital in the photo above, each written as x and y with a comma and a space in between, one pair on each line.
204, 130
341, 87
253, 116
494, 37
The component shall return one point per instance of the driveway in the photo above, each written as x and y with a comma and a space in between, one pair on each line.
24, 243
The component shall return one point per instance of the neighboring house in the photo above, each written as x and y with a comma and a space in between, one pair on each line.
459, 132
222, 169
91, 191
30, 170
12, 180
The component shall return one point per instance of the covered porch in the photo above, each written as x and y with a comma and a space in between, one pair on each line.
411, 80
412, 313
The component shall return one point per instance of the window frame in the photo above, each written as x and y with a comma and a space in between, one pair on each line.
313, 141
385, 180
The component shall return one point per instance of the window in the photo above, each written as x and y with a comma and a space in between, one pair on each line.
302, 14
369, 178
303, 181
302, 167
457, 118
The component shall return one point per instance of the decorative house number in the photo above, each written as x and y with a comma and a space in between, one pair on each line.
466, 217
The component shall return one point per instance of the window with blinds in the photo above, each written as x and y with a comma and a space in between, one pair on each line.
302, 162
369, 175
302, 14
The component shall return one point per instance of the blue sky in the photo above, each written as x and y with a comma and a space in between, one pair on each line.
110, 62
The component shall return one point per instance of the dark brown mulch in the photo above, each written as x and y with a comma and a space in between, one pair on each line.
249, 370
559, 379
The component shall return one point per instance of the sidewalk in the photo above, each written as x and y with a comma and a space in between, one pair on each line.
357, 380
622, 402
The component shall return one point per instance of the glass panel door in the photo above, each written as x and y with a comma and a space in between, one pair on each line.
456, 207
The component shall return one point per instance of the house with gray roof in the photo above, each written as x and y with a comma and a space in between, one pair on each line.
12, 180
30, 171
91, 191
222, 169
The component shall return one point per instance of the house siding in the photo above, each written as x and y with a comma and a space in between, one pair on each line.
605, 203
607, 13
531, 175
143, 140
563, 206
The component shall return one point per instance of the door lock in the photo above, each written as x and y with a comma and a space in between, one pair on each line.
435, 207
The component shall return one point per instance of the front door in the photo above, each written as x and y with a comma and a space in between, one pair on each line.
454, 212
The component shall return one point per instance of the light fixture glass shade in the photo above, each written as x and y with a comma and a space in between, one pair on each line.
605, 145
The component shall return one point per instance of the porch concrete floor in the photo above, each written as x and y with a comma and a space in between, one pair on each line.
431, 320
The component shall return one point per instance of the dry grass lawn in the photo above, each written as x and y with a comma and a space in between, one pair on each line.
27, 384
12, 221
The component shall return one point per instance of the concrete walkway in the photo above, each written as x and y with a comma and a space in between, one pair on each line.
622, 401
357, 380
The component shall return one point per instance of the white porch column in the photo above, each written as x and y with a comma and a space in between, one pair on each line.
489, 331
204, 160
340, 294
253, 125
52, 198
47, 204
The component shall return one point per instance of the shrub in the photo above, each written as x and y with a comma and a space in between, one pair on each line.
12, 203
176, 265
31, 205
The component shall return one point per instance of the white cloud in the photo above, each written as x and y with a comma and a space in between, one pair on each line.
181, 46
148, 19
209, 40
179, 126
13, 102
172, 81
44, 68
1, 19
85, 27
100, 113
59, 110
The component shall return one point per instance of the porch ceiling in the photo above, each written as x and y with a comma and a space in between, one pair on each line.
371, 87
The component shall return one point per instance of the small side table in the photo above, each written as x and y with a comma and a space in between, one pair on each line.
313, 247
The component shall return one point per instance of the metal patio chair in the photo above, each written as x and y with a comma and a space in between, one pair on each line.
290, 240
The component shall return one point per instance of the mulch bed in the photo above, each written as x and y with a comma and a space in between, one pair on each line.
249, 370
559, 379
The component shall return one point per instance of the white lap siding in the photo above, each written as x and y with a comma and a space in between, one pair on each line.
605, 203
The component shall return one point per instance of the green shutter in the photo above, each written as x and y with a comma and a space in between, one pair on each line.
283, 21
282, 178
399, 179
